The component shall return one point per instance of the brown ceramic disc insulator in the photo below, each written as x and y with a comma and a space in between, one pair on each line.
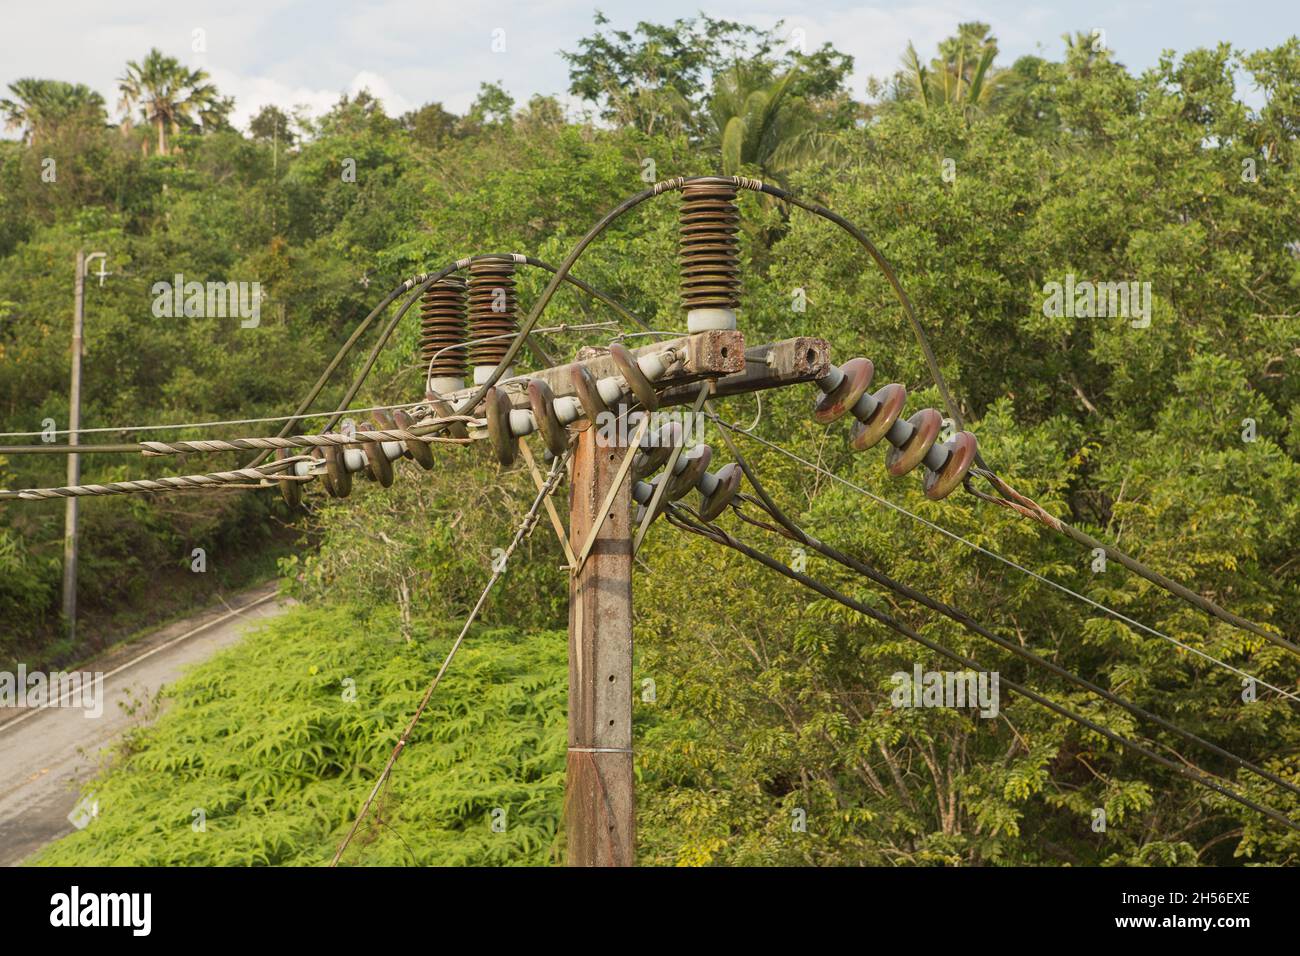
961, 454
542, 401
443, 317
340, 483
442, 409
690, 475
291, 490
628, 367
593, 405
833, 405
318, 453
649, 458
890, 401
497, 409
378, 467
728, 484
419, 450
925, 430
493, 310
385, 423
708, 251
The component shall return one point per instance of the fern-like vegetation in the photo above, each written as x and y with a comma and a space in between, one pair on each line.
265, 744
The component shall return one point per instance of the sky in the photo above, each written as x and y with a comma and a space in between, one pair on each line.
408, 53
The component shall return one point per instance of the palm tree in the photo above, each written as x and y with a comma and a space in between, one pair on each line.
754, 120
169, 94
39, 106
963, 75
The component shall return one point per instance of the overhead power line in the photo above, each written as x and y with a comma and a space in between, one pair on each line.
998, 557
1183, 768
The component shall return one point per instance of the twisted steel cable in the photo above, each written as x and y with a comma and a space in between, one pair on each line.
170, 483
420, 432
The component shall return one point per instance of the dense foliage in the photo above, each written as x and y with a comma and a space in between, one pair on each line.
1178, 439
276, 743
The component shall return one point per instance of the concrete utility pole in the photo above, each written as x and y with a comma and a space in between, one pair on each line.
74, 460
600, 811
600, 798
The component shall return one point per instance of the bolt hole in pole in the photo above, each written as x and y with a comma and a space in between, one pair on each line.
812, 357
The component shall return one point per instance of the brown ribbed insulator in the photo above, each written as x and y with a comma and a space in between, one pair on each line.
493, 311
442, 324
708, 249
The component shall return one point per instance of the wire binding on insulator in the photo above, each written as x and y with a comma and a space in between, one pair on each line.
493, 312
709, 255
443, 317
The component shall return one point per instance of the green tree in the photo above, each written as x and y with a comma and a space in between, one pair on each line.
755, 120
170, 96
39, 107
962, 75
272, 124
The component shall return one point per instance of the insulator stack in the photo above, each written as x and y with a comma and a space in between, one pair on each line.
442, 334
717, 489
550, 416
371, 456
709, 255
915, 440
493, 314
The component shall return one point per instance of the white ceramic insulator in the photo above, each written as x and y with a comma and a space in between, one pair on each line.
567, 409
655, 366
710, 320
611, 390
445, 385
521, 422
484, 372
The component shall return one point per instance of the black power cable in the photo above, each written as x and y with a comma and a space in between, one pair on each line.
717, 535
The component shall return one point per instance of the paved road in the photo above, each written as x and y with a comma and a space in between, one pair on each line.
47, 753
